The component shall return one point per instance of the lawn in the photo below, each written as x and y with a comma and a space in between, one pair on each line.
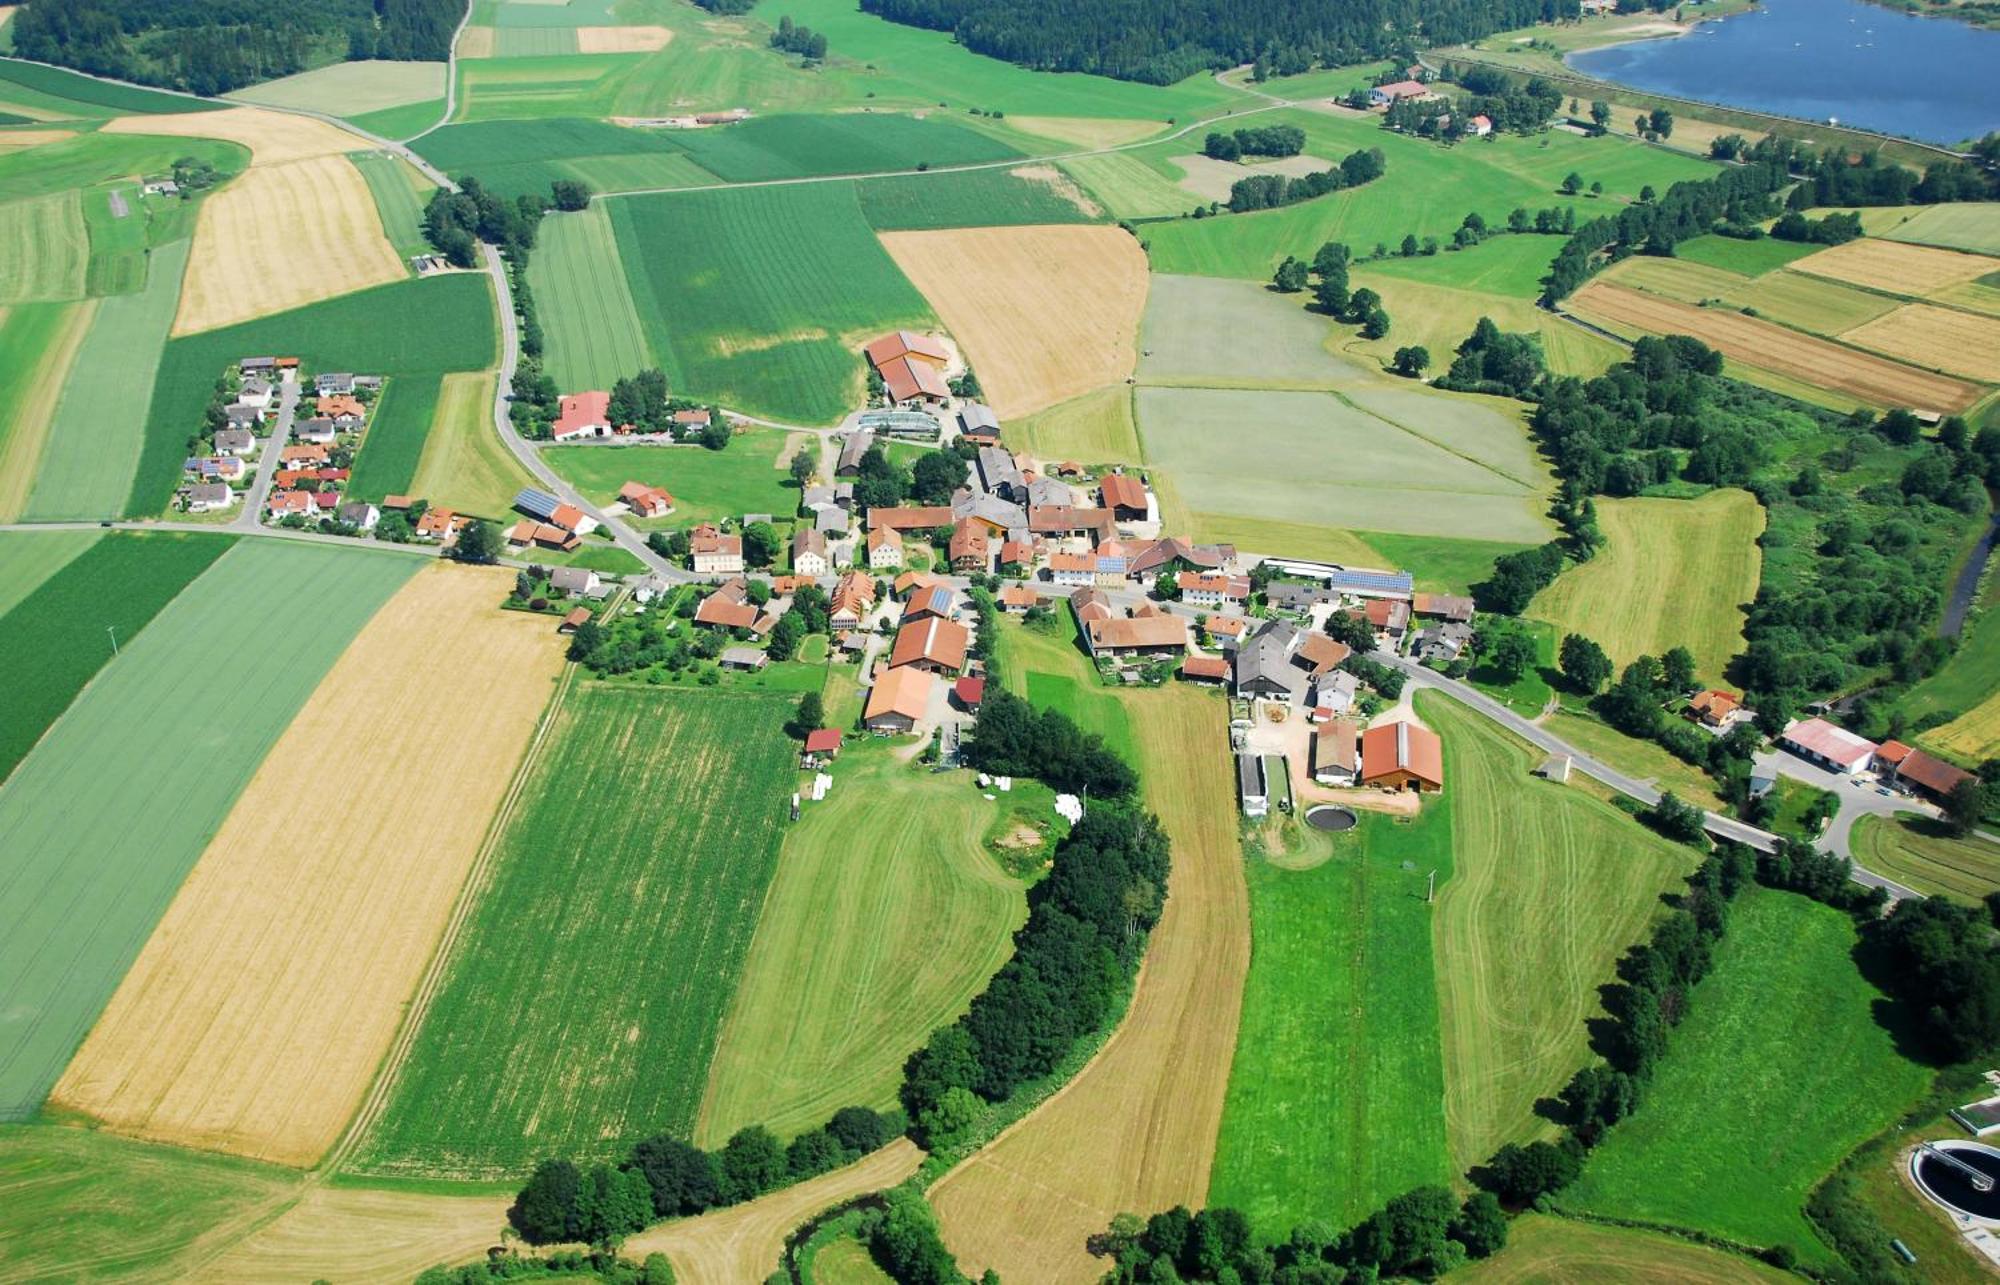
78, 1204
706, 485
29, 558
1046, 664
975, 198
580, 1011
99, 430
465, 465
1547, 1250
762, 297
1917, 852
1095, 428
400, 192
590, 330
398, 426
887, 915
1550, 886
38, 345
1778, 1071
56, 638
441, 324
44, 250
169, 732
1337, 1093
1671, 573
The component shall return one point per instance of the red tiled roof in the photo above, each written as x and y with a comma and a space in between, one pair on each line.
906, 379
583, 410
902, 344
1215, 667
1402, 746
1122, 491
939, 642
1834, 744
822, 739
970, 691
1934, 774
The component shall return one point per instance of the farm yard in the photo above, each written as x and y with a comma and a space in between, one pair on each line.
143, 741
258, 1034
886, 915
642, 894
1671, 573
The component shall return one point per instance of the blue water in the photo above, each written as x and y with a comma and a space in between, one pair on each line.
1861, 64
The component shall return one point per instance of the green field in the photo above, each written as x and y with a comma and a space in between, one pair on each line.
1047, 665
38, 344
28, 558
1966, 689
398, 427
117, 242
974, 198
401, 122
761, 297
581, 1007
1335, 1098
44, 250
151, 744
399, 192
527, 155
768, 147
99, 429
465, 465
442, 324
85, 97
887, 915
1671, 573
1778, 1071
590, 329
350, 89
78, 1204
1973, 226
1550, 886
1095, 428
1917, 852
706, 485
1231, 334
95, 158
534, 42
1746, 258
1132, 185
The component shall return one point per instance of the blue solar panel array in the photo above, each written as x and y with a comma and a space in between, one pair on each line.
1371, 581
536, 504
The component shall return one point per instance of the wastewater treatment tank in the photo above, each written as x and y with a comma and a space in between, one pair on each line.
1962, 1176
1328, 817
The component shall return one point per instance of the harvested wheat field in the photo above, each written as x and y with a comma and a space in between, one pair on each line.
342, 1234
1960, 342
744, 1242
1819, 362
1087, 131
478, 42
1136, 1129
14, 139
281, 236
1044, 314
621, 40
1894, 266
255, 1017
272, 137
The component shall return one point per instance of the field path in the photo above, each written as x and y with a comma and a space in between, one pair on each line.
1136, 1129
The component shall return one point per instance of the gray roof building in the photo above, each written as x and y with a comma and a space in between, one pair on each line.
851, 450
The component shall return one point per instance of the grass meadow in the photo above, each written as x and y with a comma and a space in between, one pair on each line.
169, 733
1549, 887
803, 146
350, 89
399, 192
1779, 1070
580, 1010
464, 465
99, 430
1917, 852
443, 324
1967, 688
1745, 258
1543, 1249
590, 328
1972, 226
706, 485
514, 156
974, 198
44, 249
401, 122
117, 242
398, 427
93, 158
762, 297
1671, 573
86, 97
886, 916
1334, 1099
1646, 760
1095, 428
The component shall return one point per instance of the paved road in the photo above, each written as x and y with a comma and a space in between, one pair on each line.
267, 458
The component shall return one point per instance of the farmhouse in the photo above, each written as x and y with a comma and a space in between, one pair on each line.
580, 581
1336, 753
998, 513
1063, 520
899, 700
1045, 491
885, 549
1089, 605
1280, 659
1016, 556
1146, 558
1443, 641
729, 607
441, 525
1137, 636
911, 367
1834, 748
1715, 709
935, 599
360, 515
1402, 756
693, 417
1210, 590
1387, 616
999, 475
715, 553
910, 517
969, 549
1383, 95
207, 497
1125, 496
582, 416
1923, 773
1227, 629
852, 599
540, 534
852, 448
646, 501
809, 553
933, 644
1333, 694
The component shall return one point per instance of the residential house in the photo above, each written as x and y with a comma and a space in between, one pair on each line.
1227, 630
1481, 126
1402, 756
899, 700
317, 429
208, 497
1073, 570
255, 392
853, 598
885, 549
333, 381
1090, 604
1389, 617
852, 448
1336, 753
912, 581
345, 410
978, 424
580, 581
582, 416
1383, 95
307, 504
646, 501
970, 550
441, 525
1208, 590
1443, 642
1018, 598
932, 643
359, 514
692, 418
809, 553
1333, 694
240, 416
715, 554
911, 367
729, 607
1717, 709
1016, 556
651, 588
1251, 787
1124, 495
935, 599
237, 442
1137, 636
1834, 748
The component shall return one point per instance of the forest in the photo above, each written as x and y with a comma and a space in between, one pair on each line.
214, 46
1162, 41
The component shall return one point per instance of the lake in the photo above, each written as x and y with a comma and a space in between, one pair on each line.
1866, 66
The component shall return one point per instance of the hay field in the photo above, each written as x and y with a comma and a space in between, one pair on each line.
590, 328
1207, 179
1961, 225
621, 40
744, 1242
639, 895
478, 41
1671, 573
350, 88
1095, 428
1127, 185
1960, 342
1086, 131
1543, 1249
1136, 1128
256, 1016
1043, 314
147, 739
1214, 333
38, 347
1894, 266
1973, 735
1877, 381
282, 236
44, 250
464, 465
360, 1236
273, 138
886, 916
1549, 887
1916, 851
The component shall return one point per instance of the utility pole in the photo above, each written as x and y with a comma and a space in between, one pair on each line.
113, 631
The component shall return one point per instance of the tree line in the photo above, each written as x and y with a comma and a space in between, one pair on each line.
1269, 191
1739, 196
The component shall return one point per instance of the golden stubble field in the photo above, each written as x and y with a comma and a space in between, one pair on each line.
1894, 266
256, 1016
356, 1235
1044, 314
621, 40
1136, 1129
1875, 380
1961, 342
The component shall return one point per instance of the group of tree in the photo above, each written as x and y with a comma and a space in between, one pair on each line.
1656, 125
1013, 738
1517, 577
1163, 41
727, 8
1835, 229
1493, 361
668, 1177
214, 46
904, 1241
1088, 922
1514, 104
882, 483
795, 39
1265, 140
456, 222
1269, 191
598, 1266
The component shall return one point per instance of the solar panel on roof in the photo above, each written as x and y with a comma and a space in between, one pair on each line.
536, 503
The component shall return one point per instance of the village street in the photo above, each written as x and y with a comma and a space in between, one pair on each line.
251, 518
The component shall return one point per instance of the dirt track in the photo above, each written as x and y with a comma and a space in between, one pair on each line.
1135, 1131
